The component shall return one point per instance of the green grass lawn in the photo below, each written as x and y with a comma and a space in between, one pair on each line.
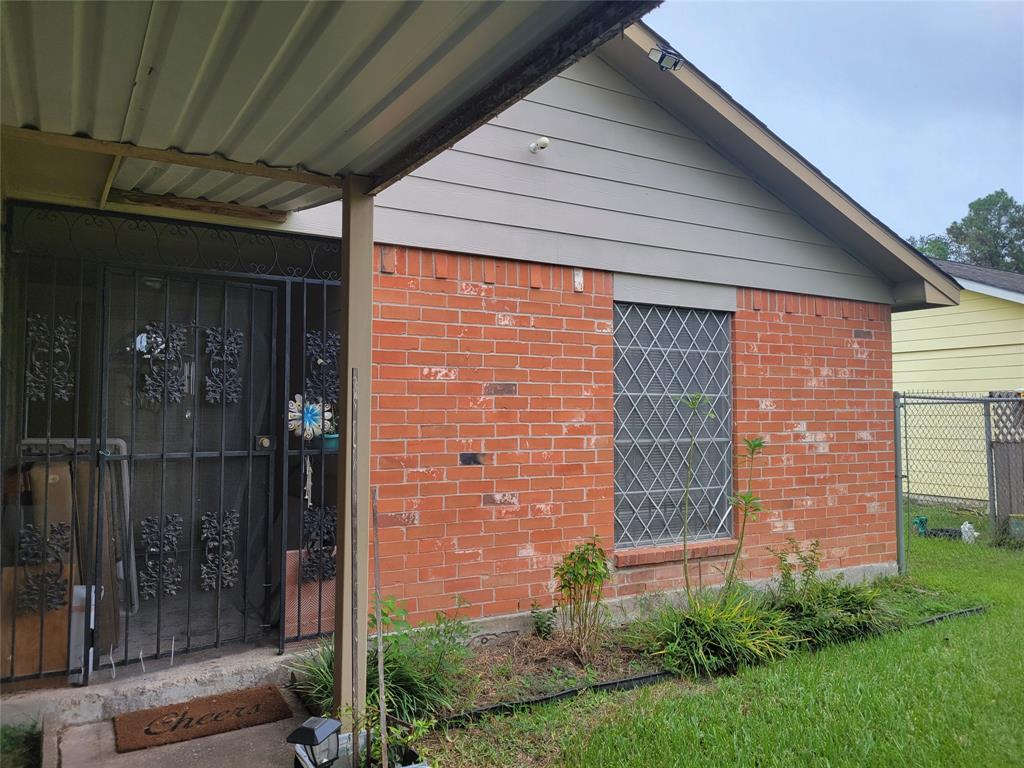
949, 694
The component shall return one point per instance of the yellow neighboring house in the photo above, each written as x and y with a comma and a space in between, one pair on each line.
974, 348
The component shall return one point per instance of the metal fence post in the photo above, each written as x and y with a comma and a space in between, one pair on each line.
901, 552
992, 516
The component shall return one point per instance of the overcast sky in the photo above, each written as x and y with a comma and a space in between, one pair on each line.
913, 108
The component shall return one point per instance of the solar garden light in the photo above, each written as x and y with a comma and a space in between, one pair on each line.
316, 742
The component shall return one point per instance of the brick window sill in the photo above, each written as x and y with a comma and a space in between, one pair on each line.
626, 558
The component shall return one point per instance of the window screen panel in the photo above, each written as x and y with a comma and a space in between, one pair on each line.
663, 354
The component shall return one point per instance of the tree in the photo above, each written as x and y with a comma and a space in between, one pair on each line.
932, 246
990, 235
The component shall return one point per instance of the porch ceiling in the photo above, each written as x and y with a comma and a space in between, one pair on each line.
330, 89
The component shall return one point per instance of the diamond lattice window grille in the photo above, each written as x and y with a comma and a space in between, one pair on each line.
663, 354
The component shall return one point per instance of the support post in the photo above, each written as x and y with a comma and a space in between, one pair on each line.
993, 512
901, 549
351, 603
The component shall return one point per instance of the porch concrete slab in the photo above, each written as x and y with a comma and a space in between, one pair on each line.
262, 746
132, 689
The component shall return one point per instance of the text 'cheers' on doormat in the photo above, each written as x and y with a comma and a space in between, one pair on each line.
199, 717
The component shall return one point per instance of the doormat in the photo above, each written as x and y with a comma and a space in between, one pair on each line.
199, 717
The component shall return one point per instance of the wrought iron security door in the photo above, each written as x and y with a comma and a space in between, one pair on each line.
190, 381
169, 465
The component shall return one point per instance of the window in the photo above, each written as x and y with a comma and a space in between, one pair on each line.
663, 354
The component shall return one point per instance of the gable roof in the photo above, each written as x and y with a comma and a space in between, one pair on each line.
693, 98
992, 282
997, 278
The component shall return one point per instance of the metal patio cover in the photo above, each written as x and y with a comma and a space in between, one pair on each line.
301, 94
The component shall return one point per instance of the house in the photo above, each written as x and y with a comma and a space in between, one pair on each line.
151, 492
973, 349
537, 312
976, 347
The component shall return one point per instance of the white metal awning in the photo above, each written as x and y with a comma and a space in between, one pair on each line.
317, 91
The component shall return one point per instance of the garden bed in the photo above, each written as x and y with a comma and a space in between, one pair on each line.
528, 667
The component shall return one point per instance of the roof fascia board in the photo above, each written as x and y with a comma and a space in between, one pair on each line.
703, 106
595, 25
990, 290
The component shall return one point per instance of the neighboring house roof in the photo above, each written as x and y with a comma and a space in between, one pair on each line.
703, 105
993, 282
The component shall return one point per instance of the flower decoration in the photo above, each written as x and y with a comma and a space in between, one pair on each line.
308, 419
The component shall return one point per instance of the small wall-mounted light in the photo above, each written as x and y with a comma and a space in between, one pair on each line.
540, 143
316, 742
666, 58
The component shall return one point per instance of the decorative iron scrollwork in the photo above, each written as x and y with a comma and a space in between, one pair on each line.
166, 375
161, 553
224, 347
45, 589
50, 357
221, 566
319, 532
322, 376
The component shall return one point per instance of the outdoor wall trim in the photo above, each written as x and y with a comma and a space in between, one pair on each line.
626, 558
643, 289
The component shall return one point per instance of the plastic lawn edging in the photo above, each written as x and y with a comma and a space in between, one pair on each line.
506, 707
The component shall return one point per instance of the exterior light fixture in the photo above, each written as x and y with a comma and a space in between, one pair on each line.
540, 143
316, 742
666, 58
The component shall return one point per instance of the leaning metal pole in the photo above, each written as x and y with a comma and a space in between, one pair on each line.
354, 560
901, 552
381, 698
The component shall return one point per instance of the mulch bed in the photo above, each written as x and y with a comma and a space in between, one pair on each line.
200, 717
528, 666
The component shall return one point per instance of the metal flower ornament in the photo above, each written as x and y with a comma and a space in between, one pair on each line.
309, 419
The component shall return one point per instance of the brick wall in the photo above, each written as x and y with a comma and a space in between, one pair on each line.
492, 430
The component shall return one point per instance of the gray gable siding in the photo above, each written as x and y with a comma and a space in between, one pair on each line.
623, 187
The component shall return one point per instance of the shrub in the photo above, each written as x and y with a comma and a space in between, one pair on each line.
423, 668
714, 635
314, 675
581, 577
543, 620
20, 746
825, 611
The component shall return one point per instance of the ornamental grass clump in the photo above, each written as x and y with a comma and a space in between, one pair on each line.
714, 635
825, 611
424, 669
581, 577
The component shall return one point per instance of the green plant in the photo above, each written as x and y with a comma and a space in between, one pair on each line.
20, 746
694, 401
714, 635
825, 611
581, 577
746, 504
543, 620
313, 675
423, 667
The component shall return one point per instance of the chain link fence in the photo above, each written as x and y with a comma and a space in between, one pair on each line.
960, 464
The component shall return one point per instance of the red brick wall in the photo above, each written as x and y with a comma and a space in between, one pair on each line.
813, 376
509, 364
